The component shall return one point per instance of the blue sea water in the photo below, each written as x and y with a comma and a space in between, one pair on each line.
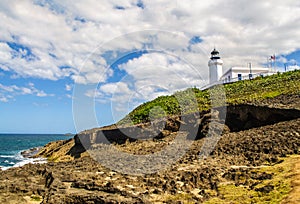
11, 146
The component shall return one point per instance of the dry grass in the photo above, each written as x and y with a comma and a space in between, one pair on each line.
283, 181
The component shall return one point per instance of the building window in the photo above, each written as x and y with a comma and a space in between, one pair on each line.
228, 78
239, 77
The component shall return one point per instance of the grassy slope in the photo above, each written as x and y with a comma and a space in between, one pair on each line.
236, 93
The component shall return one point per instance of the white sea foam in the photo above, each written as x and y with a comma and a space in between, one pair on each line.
21, 161
7, 156
30, 161
3, 168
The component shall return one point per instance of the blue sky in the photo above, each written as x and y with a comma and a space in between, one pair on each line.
106, 58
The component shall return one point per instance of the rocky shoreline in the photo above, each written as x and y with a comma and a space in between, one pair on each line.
29, 156
245, 158
30, 153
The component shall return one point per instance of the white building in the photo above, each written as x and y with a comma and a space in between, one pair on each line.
242, 73
233, 74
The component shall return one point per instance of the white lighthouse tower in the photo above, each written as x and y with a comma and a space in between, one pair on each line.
215, 67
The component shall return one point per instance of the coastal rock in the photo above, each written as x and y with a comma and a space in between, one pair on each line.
64, 150
83, 180
72, 176
30, 152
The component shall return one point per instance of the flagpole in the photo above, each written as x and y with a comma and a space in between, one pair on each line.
271, 64
274, 63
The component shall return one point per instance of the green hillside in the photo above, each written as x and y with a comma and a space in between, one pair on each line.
193, 99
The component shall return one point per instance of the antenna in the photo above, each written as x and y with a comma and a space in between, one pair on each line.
250, 69
285, 67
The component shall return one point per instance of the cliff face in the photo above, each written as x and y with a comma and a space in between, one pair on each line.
61, 151
238, 159
247, 160
237, 118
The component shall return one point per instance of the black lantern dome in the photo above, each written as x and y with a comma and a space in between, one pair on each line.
215, 54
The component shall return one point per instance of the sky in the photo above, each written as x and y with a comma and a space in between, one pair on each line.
66, 66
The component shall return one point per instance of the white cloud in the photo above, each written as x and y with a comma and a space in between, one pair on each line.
293, 67
68, 87
109, 92
3, 99
94, 94
42, 94
148, 76
58, 36
160, 69
10, 92
68, 95
115, 88
26, 91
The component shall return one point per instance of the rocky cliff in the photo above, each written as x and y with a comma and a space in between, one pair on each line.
251, 159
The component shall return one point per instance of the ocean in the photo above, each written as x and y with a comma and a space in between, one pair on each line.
11, 146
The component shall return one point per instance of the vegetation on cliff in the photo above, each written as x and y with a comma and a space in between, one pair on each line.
241, 92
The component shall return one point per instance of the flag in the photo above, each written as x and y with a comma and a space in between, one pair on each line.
273, 57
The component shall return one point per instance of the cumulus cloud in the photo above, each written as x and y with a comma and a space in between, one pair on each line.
54, 39
115, 88
161, 69
147, 77
9, 92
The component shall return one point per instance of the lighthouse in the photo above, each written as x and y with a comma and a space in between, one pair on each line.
215, 67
